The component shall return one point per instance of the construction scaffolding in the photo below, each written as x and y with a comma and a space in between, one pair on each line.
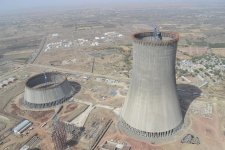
59, 136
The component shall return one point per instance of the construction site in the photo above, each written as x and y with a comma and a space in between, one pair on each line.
69, 109
114, 84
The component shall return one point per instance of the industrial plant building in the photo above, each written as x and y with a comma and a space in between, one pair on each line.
151, 110
22, 126
47, 89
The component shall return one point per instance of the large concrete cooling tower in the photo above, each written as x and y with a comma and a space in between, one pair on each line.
47, 89
151, 110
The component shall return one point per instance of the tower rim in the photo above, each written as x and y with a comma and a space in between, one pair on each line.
61, 79
138, 38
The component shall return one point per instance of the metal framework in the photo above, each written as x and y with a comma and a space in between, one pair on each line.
59, 136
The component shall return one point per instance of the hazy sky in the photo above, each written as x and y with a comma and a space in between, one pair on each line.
17, 5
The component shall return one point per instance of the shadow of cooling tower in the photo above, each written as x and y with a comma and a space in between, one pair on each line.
76, 86
187, 94
76, 136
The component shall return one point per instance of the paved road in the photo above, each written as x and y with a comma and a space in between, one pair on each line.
35, 54
78, 72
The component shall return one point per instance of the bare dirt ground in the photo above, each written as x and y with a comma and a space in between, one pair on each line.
219, 51
193, 51
208, 128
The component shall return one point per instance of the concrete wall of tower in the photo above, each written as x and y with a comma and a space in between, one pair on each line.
152, 106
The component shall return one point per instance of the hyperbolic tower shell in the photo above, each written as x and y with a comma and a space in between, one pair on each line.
151, 110
47, 89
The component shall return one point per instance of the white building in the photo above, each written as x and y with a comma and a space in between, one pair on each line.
11, 80
22, 126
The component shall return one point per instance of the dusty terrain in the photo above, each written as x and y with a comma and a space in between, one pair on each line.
93, 48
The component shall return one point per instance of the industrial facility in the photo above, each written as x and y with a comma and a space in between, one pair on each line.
151, 110
59, 135
47, 89
22, 126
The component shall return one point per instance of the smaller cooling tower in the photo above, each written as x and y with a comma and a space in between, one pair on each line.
47, 89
